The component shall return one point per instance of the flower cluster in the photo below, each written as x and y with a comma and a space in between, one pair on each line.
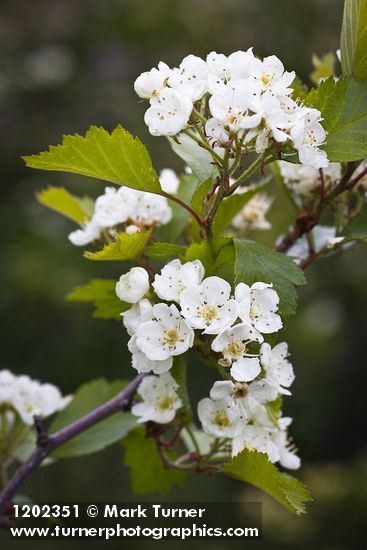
128, 210
240, 98
307, 180
29, 397
230, 326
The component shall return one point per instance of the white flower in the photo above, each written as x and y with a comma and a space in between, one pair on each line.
257, 306
279, 371
150, 210
141, 363
114, 206
222, 69
269, 74
151, 83
257, 434
138, 313
244, 395
169, 181
252, 216
256, 438
29, 397
306, 180
159, 399
168, 113
176, 277
90, 232
232, 343
219, 418
190, 78
287, 457
232, 107
166, 335
133, 285
209, 306
307, 134
321, 235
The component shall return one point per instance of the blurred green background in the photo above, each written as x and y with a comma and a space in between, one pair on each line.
66, 64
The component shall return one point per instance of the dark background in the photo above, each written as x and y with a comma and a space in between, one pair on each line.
66, 64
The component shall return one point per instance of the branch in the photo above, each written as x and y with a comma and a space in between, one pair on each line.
122, 401
309, 218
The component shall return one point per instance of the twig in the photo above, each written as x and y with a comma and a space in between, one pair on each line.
120, 402
308, 218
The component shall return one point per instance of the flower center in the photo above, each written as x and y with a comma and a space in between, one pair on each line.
165, 402
209, 313
171, 337
240, 390
236, 348
221, 419
254, 312
266, 79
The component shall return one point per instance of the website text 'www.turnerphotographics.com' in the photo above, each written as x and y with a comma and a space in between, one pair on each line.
156, 521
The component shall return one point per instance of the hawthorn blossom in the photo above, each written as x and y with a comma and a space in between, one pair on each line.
287, 451
166, 335
209, 306
133, 285
141, 363
321, 235
175, 277
219, 418
160, 401
252, 215
190, 78
150, 210
90, 232
224, 70
270, 75
257, 433
169, 181
279, 371
232, 343
151, 83
306, 180
257, 306
29, 397
168, 114
243, 395
307, 135
139, 313
114, 206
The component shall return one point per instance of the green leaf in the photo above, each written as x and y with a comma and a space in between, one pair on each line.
199, 198
300, 89
207, 252
324, 67
101, 293
164, 251
256, 262
173, 230
233, 205
343, 105
357, 227
179, 373
147, 473
256, 469
59, 199
105, 433
118, 157
197, 158
125, 247
353, 42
